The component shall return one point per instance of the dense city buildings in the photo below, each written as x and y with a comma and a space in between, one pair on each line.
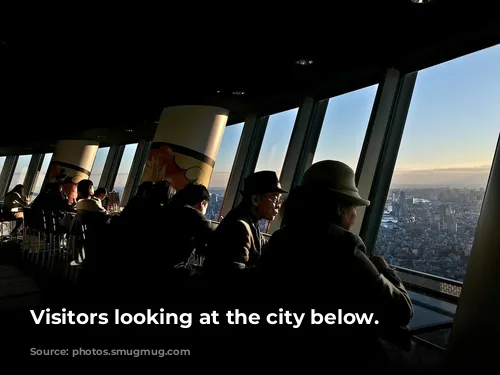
430, 230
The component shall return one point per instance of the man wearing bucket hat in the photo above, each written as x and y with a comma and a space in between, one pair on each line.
314, 260
237, 242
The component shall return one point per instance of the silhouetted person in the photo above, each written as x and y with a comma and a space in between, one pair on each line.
190, 229
315, 262
16, 199
100, 194
85, 194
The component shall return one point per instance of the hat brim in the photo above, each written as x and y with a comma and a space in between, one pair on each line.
270, 190
352, 198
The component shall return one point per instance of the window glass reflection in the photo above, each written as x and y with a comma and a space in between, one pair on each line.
344, 126
274, 146
276, 139
222, 169
40, 177
98, 167
442, 168
20, 171
124, 168
2, 162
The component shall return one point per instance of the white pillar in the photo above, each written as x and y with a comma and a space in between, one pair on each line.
476, 327
73, 159
185, 145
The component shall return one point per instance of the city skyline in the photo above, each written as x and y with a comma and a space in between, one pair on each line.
483, 174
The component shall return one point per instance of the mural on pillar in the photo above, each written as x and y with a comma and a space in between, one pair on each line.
178, 165
68, 175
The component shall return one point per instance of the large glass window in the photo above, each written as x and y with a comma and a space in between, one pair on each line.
40, 177
124, 168
98, 167
2, 162
278, 133
344, 127
274, 146
20, 171
222, 169
443, 166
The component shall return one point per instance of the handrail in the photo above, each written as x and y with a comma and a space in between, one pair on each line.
429, 276
428, 343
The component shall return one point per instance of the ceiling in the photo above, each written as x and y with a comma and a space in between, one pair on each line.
63, 77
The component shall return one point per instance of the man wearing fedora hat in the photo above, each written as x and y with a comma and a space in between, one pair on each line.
315, 260
237, 242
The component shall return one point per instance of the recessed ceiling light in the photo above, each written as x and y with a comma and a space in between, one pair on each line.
238, 93
218, 92
129, 130
304, 62
421, 1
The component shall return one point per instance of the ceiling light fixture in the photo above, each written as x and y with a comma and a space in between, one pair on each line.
129, 130
303, 62
421, 1
238, 93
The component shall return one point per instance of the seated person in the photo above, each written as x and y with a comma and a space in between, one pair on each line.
15, 199
52, 198
188, 223
314, 260
100, 194
237, 241
85, 202
70, 191
143, 204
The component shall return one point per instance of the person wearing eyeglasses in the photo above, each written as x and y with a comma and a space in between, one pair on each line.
237, 242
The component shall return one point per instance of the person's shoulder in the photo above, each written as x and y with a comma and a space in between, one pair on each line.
192, 214
87, 204
350, 241
233, 224
228, 220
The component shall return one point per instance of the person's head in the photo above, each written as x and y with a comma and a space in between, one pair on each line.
69, 187
19, 189
145, 188
262, 194
101, 193
194, 195
327, 192
163, 192
85, 189
53, 188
